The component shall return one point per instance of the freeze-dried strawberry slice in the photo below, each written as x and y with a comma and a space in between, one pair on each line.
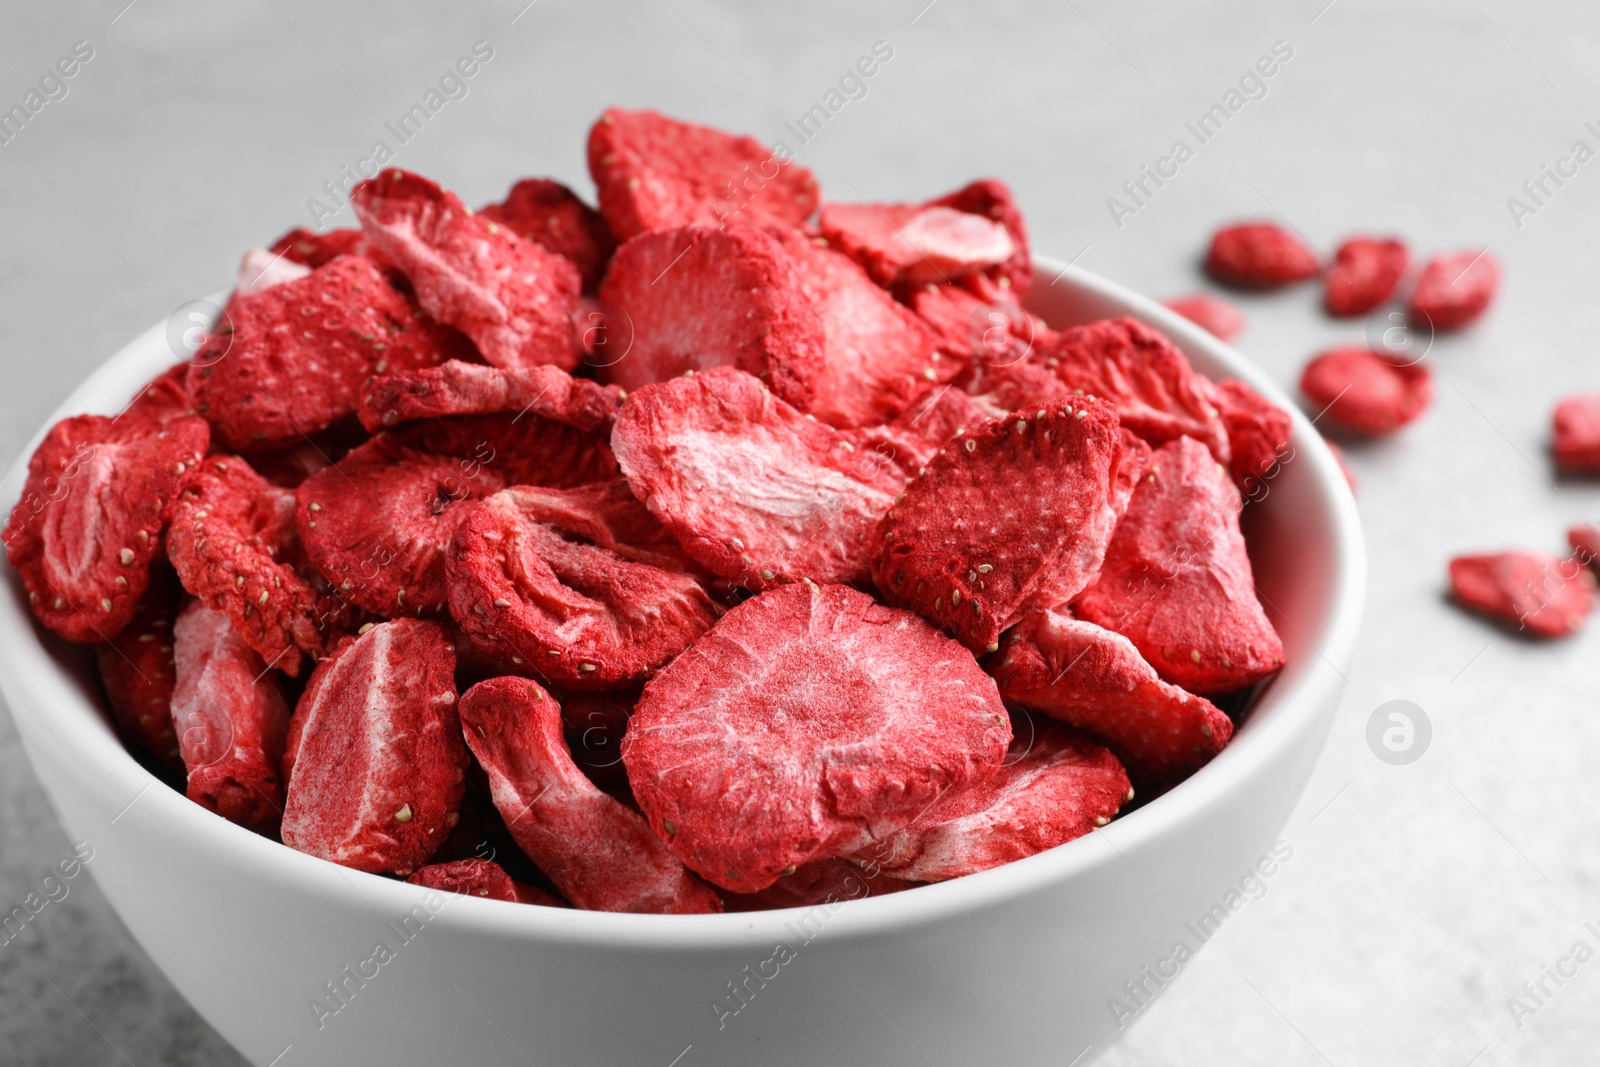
601, 855
231, 720
164, 400
1010, 511
992, 329
582, 584
1261, 255
1158, 395
378, 522
877, 357
552, 217
1576, 433
821, 882
318, 249
699, 297
375, 762
998, 390
992, 199
457, 388
1218, 318
653, 172
234, 545
1177, 582
1096, 680
513, 298
755, 491
1548, 596
89, 522
297, 354
808, 723
1055, 785
1258, 434
1367, 392
909, 442
1455, 289
138, 671
481, 878
1365, 273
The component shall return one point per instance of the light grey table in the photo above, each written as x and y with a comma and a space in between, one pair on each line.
1418, 898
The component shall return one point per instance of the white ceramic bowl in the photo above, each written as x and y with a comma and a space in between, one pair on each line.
1013, 966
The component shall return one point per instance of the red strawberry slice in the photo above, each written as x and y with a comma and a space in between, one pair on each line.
600, 854
552, 217
909, 442
375, 762
1365, 273
1455, 289
1547, 596
319, 249
1259, 255
808, 723
457, 388
1258, 435
1177, 581
138, 670
1366, 392
513, 298
990, 327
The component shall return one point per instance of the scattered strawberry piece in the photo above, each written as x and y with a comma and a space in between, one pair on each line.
1367, 392
809, 722
1157, 394
457, 388
1585, 542
1576, 430
375, 762
1455, 289
820, 882
1261, 255
552, 217
1547, 596
755, 491
1055, 785
481, 878
653, 173
297, 353
600, 854
1177, 581
971, 553
319, 249
1258, 434
89, 522
230, 718
513, 298
1217, 317
1095, 679
1365, 273
582, 584
699, 297
138, 670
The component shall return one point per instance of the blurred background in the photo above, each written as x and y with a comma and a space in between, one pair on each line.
1419, 898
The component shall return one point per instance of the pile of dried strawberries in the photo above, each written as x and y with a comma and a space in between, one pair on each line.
720, 548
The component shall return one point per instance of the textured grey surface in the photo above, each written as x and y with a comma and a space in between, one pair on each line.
1418, 898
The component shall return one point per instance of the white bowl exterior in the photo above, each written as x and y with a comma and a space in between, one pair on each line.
1015, 965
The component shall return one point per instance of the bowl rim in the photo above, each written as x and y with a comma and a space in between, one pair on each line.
32, 682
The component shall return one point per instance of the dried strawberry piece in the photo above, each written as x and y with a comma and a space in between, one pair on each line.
967, 327
1260, 255
297, 354
234, 545
819, 882
971, 549
877, 357
583, 584
231, 720
1576, 431
457, 388
1177, 581
1055, 785
1218, 318
653, 173
480, 878
1157, 394
375, 762
755, 491
527, 449
1258, 434
1455, 289
600, 855
998, 390
554, 218
992, 199
513, 298
1547, 596
1367, 392
89, 522
1365, 273
165, 400
700, 297
909, 442
319, 249
1096, 680
139, 671
809, 722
